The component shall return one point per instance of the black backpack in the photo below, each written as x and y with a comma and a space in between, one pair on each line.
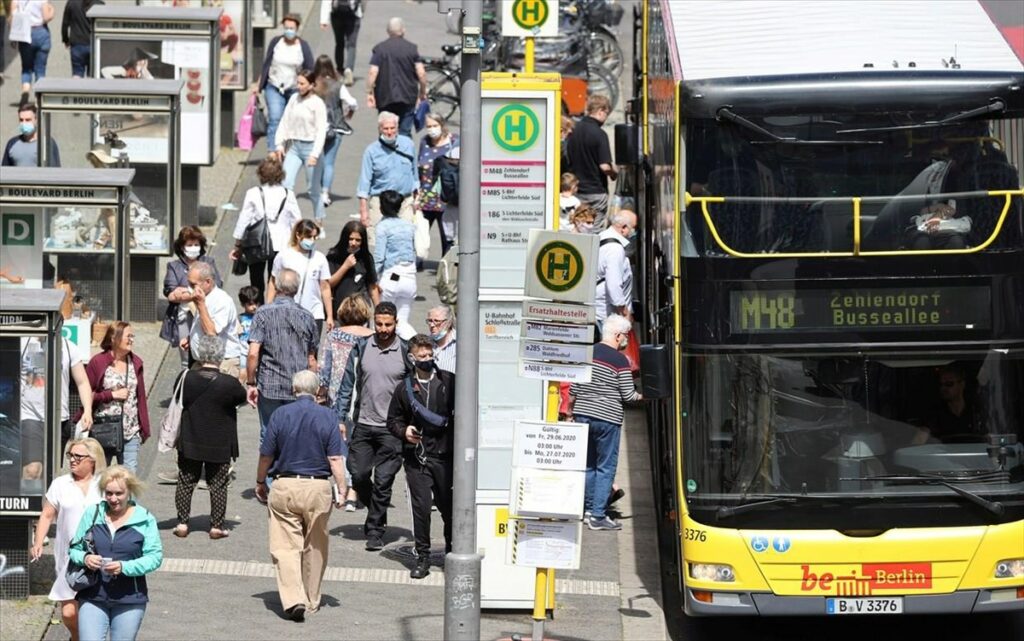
448, 177
257, 246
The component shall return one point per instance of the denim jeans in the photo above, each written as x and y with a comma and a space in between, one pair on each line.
298, 153
80, 56
130, 454
265, 407
324, 174
122, 621
276, 102
602, 459
406, 116
34, 55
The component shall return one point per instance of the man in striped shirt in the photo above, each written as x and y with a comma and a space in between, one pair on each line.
599, 404
442, 335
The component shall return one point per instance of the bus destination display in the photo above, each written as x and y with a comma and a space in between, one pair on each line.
859, 309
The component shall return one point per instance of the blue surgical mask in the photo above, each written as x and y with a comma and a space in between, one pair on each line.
289, 34
632, 234
439, 336
390, 142
27, 128
308, 244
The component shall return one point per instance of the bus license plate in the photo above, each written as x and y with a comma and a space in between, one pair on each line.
870, 605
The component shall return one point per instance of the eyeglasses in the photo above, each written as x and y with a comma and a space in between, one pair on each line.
76, 458
436, 321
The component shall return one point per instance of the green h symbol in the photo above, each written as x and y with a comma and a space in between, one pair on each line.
516, 127
556, 265
529, 9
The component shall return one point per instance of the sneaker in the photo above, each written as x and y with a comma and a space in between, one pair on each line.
325, 197
586, 515
374, 543
603, 523
422, 568
349, 79
350, 506
296, 613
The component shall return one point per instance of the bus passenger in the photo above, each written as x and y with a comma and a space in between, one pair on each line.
938, 227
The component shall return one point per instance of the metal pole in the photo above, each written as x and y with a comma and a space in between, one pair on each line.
462, 564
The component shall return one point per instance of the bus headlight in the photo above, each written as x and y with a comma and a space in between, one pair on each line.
712, 572
1010, 569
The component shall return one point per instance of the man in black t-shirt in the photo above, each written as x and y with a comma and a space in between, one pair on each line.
397, 81
590, 158
957, 414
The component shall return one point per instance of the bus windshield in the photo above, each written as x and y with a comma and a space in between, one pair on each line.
788, 182
828, 423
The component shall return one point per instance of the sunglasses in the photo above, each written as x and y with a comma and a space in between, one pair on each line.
78, 457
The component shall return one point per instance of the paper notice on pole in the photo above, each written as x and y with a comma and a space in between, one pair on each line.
550, 446
544, 544
551, 494
186, 53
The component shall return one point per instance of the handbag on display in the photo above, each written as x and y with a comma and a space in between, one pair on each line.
170, 426
78, 576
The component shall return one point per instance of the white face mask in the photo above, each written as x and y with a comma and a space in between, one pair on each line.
433, 132
192, 251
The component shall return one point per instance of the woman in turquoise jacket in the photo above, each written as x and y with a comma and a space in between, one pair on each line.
128, 548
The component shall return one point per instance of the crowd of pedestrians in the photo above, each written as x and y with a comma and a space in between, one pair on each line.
348, 387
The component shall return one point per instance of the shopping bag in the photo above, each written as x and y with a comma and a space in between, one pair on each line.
632, 352
259, 121
422, 237
171, 423
21, 27
245, 137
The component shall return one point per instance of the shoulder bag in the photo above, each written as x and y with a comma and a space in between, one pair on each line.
257, 245
109, 430
170, 426
78, 575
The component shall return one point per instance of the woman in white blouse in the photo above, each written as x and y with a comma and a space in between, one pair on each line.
300, 138
65, 501
278, 204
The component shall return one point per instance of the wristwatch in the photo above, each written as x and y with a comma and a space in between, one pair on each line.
263, 482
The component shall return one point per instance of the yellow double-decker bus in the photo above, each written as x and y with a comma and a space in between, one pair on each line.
832, 261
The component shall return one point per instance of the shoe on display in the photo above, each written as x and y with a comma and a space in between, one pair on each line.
603, 523
422, 568
374, 543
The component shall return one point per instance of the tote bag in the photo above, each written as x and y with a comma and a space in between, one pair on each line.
170, 426
246, 141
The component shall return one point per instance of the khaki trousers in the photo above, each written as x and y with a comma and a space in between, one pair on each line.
373, 205
299, 512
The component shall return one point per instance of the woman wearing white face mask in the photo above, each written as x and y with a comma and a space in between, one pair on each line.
437, 143
301, 137
302, 257
190, 247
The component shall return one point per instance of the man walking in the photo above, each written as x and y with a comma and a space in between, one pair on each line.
599, 404
302, 451
397, 80
389, 163
421, 414
441, 327
376, 364
23, 150
590, 157
215, 316
614, 273
282, 341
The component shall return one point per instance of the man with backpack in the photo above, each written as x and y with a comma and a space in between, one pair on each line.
422, 416
614, 273
344, 18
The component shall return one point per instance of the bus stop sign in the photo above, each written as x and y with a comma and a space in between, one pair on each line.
562, 266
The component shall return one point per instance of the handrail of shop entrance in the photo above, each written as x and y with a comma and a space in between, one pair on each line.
855, 201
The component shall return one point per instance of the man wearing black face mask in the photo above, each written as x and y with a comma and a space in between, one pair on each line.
421, 414
376, 364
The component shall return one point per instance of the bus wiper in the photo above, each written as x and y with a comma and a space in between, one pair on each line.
726, 511
992, 107
725, 113
995, 507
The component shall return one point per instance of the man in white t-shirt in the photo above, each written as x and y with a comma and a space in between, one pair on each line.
215, 316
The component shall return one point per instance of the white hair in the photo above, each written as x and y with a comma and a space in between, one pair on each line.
305, 382
613, 325
386, 116
622, 216
396, 26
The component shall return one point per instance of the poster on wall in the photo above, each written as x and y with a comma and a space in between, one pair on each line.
233, 36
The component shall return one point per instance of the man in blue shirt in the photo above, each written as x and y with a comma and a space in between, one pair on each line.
388, 163
302, 450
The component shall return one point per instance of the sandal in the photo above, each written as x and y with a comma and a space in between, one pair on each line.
217, 533
181, 531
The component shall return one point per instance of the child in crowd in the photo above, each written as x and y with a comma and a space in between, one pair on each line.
582, 220
568, 202
249, 297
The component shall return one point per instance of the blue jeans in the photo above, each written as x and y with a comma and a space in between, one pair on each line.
265, 407
130, 455
602, 459
406, 116
34, 55
276, 102
299, 152
80, 57
121, 621
325, 164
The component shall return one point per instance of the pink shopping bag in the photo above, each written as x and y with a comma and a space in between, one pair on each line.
245, 138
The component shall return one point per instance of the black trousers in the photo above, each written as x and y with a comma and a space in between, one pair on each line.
429, 482
346, 31
374, 456
217, 477
256, 278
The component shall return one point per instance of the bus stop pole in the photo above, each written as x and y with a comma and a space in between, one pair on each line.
462, 564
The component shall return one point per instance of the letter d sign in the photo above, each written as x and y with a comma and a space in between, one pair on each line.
18, 229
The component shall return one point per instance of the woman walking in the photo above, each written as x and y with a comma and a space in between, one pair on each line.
437, 143
128, 547
340, 107
275, 202
65, 501
119, 391
35, 50
351, 264
302, 257
190, 247
394, 257
286, 55
209, 435
301, 136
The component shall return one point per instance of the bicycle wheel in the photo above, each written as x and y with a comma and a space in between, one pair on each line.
602, 81
443, 90
605, 51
